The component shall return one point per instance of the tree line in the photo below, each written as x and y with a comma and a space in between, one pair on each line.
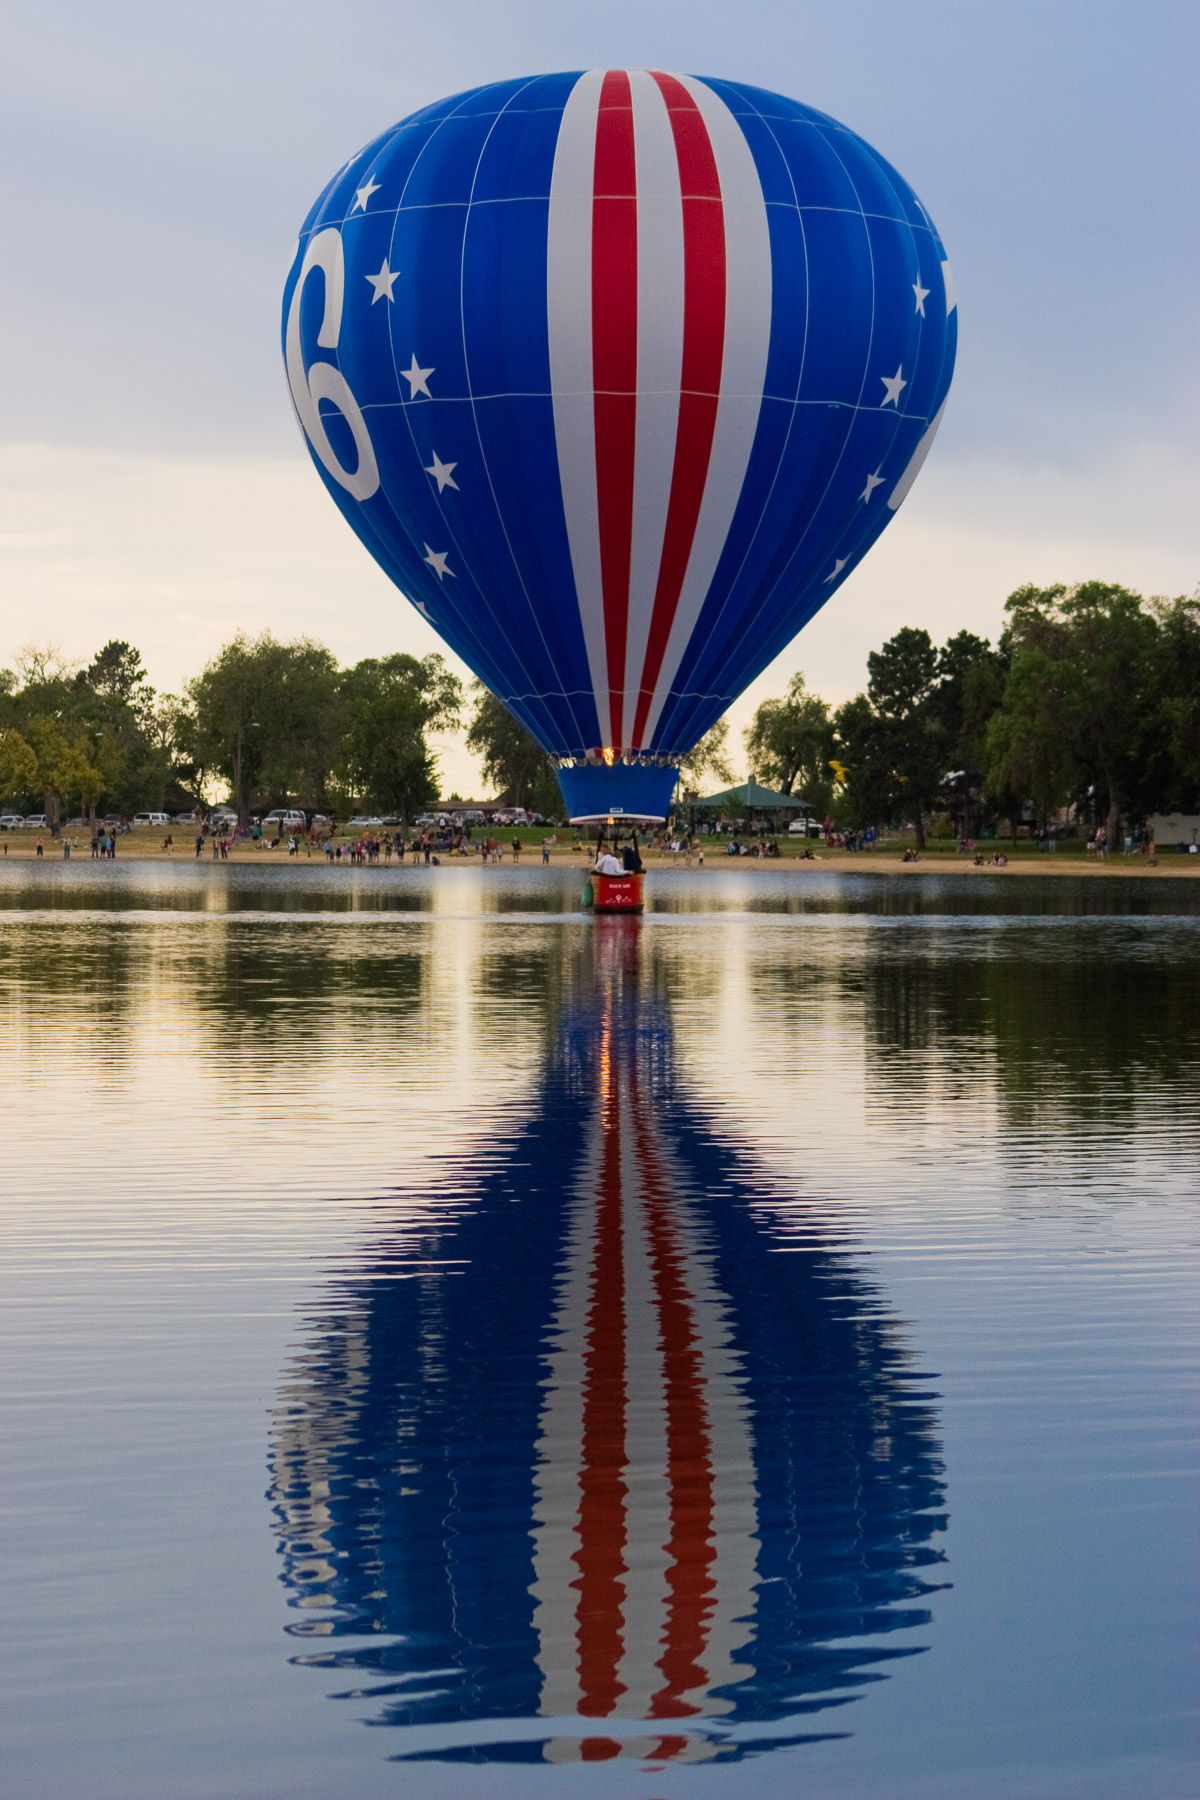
271, 722
1090, 699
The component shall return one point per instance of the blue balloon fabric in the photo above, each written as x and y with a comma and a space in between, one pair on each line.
618, 375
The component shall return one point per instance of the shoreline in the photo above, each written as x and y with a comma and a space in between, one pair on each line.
1170, 866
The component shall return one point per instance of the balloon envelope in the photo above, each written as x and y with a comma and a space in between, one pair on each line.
618, 375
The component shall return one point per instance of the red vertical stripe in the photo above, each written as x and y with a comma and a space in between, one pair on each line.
614, 365
691, 1541
602, 1525
700, 384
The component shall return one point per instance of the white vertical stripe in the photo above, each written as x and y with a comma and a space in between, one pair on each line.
728, 1625
569, 315
743, 371
735, 1512
647, 1503
948, 284
558, 1473
659, 359
913, 467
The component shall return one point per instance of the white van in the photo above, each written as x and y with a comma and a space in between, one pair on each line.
280, 820
152, 818
35, 821
11, 821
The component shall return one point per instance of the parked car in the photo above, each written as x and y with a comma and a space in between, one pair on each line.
11, 821
186, 818
283, 818
35, 822
360, 823
431, 819
222, 818
152, 818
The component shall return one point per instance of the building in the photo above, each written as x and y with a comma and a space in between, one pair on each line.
1170, 829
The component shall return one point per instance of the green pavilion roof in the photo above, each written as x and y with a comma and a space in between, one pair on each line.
751, 794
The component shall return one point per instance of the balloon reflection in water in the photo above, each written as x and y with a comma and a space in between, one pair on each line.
627, 1454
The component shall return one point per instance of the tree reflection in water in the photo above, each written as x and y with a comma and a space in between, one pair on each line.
631, 1457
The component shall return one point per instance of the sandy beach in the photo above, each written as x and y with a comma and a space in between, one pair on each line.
147, 846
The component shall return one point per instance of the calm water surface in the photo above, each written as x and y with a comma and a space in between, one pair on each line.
456, 1348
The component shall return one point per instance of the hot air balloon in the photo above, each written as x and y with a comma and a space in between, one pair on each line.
618, 375
590, 1468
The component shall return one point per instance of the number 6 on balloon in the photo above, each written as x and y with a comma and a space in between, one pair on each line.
323, 380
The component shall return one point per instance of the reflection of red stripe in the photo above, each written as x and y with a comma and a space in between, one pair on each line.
602, 1529
690, 1546
700, 385
614, 364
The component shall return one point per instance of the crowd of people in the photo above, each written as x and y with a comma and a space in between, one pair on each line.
848, 840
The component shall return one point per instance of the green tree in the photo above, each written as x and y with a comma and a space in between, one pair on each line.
116, 673
862, 763
18, 765
1079, 697
263, 716
65, 765
1032, 753
514, 763
900, 686
387, 705
1175, 773
710, 757
970, 682
45, 709
791, 740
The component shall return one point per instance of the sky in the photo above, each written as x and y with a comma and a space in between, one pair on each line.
158, 161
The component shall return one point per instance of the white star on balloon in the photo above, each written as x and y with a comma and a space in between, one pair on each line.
873, 481
893, 384
423, 610
443, 473
417, 379
922, 294
383, 283
363, 194
838, 566
437, 562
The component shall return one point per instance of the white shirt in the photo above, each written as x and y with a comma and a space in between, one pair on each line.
608, 865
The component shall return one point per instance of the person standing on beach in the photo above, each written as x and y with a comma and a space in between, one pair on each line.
40, 847
66, 849
95, 845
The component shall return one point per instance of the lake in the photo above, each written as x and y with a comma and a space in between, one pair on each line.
450, 1341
